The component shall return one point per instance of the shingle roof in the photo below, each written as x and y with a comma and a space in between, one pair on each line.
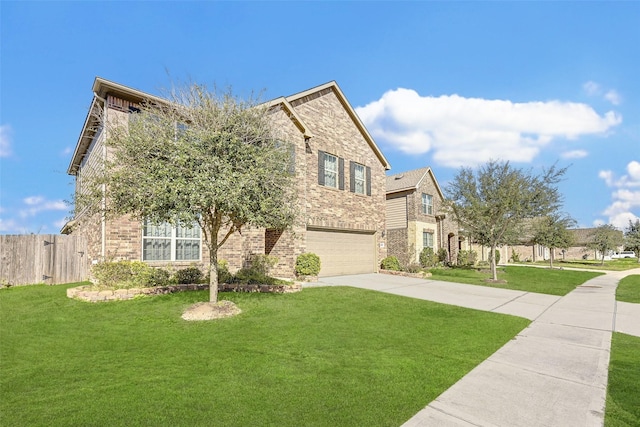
405, 180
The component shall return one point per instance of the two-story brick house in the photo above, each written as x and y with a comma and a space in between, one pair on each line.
340, 175
415, 217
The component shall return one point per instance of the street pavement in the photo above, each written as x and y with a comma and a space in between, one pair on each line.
553, 373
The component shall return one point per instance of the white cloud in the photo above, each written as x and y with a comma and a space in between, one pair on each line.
574, 154
38, 204
613, 97
592, 88
626, 197
471, 131
5, 141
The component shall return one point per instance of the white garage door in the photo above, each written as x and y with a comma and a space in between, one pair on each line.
343, 252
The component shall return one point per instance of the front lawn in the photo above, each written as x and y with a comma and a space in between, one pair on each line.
322, 357
623, 391
529, 279
611, 265
629, 289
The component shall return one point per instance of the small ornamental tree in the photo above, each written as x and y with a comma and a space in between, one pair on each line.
204, 158
553, 232
632, 237
492, 202
605, 238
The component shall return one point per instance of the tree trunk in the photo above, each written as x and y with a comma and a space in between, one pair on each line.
213, 274
492, 262
551, 258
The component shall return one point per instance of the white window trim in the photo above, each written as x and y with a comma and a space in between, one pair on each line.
362, 181
427, 208
328, 172
173, 245
432, 239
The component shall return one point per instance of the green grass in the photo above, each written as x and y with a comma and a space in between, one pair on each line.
529, 279
629, 289
322, 357
623, 392
613, 265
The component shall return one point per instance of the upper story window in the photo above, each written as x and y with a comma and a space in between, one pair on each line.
165, 242
358, 178
330, 170
427, 204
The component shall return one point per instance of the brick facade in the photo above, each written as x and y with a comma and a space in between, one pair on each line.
329, 125
407, 243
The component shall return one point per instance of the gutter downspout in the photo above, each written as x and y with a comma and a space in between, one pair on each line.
103, 222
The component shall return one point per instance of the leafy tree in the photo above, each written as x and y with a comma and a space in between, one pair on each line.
491, 203
632, 237
203, 157
605, 238
553, 232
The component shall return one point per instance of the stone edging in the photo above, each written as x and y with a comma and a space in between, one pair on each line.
86, 293
405, 274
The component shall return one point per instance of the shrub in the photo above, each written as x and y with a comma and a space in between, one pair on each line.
249, 276
427, 258
122, 274
442, 255
263, 263
189, 275
514, 256
224, 276
413, 268
467, 258
307, 264
497, 256
391, 263
159, 277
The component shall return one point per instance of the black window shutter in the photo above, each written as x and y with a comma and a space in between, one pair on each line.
320, 167
352, 177
341, 173
368, 172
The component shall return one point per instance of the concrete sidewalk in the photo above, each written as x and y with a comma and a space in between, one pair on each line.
554, 373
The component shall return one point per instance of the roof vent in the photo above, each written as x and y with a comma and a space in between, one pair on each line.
399, 177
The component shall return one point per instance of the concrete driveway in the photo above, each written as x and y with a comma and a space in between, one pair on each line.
524, 304
554, 373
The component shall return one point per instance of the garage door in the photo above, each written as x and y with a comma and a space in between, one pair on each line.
343, 252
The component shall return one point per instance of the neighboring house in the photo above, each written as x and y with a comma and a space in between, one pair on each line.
416, 219
340, 175
529, 251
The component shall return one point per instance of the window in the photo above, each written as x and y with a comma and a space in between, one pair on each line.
358, 177
330, 170
427, 204
165, 242
427, 239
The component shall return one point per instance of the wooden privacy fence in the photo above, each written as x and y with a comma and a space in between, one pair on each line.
43, 258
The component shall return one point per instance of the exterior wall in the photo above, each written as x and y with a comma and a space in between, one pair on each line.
335, 133
398, 242
444, 229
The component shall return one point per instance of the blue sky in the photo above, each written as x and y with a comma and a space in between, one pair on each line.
439, 84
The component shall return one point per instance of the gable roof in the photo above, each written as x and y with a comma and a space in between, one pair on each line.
103, 87
333, 86
411, 180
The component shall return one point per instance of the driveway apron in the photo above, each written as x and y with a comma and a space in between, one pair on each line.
554, 373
